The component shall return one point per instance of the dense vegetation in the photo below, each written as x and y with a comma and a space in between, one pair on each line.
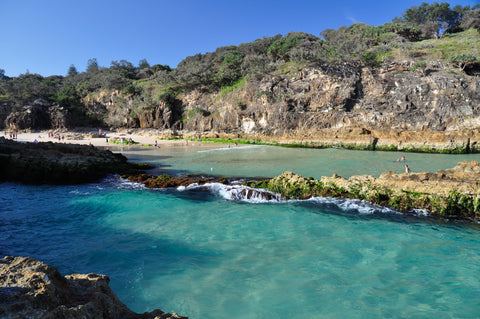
415, 35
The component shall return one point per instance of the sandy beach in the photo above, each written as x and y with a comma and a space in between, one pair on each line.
97, 138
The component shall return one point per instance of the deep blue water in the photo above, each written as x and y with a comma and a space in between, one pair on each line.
200, 254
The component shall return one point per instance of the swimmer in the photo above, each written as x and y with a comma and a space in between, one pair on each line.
402, 159
407, 169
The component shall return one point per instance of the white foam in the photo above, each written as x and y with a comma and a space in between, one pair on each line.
420, 212
123, 183
240, 192
354, 205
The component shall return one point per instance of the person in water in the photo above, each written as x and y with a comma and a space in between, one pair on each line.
407, 169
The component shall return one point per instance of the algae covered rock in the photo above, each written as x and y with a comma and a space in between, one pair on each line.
452, 193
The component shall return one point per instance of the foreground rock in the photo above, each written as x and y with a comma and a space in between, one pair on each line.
56, 163
31, 289
452, 193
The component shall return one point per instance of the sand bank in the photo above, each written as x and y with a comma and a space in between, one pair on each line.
96, 138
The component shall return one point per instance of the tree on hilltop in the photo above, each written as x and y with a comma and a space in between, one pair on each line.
471, 20
72, 70
437, 18
92, 65
143, 64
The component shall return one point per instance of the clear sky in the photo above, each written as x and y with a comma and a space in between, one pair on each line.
47, 36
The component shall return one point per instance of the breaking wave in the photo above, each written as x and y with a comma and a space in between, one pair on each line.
122, 183
237, 192
353, 205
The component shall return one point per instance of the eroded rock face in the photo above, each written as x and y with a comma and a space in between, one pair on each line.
348, 103
394, 105
32, 289
38, 115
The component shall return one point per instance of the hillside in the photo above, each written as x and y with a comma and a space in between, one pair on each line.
410, 84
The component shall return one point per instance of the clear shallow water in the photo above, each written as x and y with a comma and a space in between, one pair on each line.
201, 255
270, 161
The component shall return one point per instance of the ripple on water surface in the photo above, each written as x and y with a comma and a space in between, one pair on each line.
200, 254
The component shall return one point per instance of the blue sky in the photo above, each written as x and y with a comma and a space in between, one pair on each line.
47, 36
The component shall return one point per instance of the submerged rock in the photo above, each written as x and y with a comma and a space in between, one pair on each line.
32, 289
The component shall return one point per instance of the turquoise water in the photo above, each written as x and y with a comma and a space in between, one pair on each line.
270, 161
200, 254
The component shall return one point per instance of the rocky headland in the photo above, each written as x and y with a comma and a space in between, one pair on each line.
32, 289
58, 163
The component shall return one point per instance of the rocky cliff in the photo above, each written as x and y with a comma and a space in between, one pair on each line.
32, 289
396, 105
392, 106
39, 115
376, 107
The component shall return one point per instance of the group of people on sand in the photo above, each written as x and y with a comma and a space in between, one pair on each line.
61, 138
12, 134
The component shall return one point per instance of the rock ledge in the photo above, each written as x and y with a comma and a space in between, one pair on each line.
32, 289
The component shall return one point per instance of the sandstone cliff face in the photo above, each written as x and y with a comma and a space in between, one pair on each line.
116, 110
391, 105
31, 289
40, 115
331, 100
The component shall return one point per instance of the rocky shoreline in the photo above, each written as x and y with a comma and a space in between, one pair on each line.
58, 163
358, 139
32, 289
29, 288
451, 193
